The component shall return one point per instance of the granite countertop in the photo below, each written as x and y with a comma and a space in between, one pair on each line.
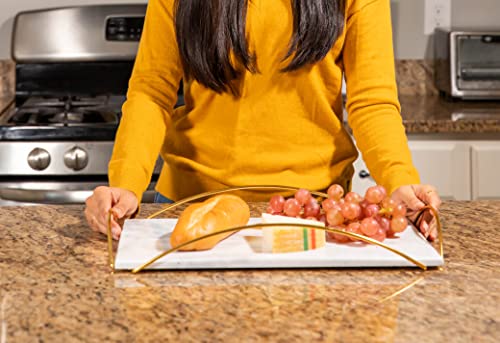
433, 114
55, 286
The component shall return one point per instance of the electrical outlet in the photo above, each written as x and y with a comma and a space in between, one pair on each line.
437, 14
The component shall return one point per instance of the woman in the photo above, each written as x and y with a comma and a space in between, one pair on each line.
263, 102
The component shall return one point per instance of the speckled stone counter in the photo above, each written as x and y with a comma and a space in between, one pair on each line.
55, 286
433, 114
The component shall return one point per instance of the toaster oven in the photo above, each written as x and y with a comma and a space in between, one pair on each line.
467, 63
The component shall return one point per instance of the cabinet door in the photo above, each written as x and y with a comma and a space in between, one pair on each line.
485, 170
445, 165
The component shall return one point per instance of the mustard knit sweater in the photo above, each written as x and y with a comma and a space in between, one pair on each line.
284, 129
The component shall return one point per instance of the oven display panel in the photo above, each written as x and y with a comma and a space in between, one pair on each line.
124, 29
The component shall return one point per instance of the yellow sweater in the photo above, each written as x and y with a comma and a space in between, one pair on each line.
285, 129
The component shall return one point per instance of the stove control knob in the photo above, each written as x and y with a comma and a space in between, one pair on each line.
39, 159
76, 158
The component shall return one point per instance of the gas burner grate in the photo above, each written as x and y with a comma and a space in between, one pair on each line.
60, 116
67, 101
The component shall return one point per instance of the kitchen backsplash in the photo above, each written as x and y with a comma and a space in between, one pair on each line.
7, 76
414, 77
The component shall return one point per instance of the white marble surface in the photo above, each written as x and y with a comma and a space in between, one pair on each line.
143, 239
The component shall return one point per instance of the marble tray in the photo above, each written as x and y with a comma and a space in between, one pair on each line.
143, 239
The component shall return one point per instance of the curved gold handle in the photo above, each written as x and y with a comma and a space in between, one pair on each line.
228, 190
111, 259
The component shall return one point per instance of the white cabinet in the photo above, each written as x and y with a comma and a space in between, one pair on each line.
485, 170
459, 169
361, 179
445, 165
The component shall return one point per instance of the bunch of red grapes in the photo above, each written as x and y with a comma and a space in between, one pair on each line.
376, 215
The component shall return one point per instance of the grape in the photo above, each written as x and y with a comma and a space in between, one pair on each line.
363, 204
369, 226
354, 227
277, 203
384, 223
353, 197
312, 200
380, 235
376, 216
334, 217
328, 204
399, 210
312, 209
338, 237
351, 210
371, 210
383, 191
335, 192
389, 233
292, 207
322, 218
399, 224
374, 195
388, 204
303, 196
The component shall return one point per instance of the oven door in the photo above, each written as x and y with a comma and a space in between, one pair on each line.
478, 66
31, 193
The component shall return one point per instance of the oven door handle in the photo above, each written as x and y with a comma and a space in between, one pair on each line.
39, 196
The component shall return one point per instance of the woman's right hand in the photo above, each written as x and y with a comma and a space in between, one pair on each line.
122, 202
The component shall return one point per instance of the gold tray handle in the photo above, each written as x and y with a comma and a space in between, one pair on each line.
229, 190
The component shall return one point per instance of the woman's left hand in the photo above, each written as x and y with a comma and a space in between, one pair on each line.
415, 197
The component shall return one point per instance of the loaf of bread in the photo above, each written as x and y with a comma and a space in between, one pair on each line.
214, 214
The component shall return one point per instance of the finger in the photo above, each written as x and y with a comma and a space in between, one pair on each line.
126, 204
409, 198
115, 228
433, 229
428, 225
424, 228
101, 204
102, 222
430, 196
89, 212
97, 218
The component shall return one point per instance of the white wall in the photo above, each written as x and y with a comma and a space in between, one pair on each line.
408, 29
479, 13
9, 8
410, 42
408, 20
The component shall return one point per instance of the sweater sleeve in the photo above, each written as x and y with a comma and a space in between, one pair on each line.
151, 96
372, 102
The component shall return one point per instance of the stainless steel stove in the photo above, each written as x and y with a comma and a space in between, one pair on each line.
72, 71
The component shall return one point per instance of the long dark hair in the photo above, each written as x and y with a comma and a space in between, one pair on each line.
208, 31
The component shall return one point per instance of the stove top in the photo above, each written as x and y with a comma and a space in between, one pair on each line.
68, 118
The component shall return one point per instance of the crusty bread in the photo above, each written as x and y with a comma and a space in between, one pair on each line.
214, 214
